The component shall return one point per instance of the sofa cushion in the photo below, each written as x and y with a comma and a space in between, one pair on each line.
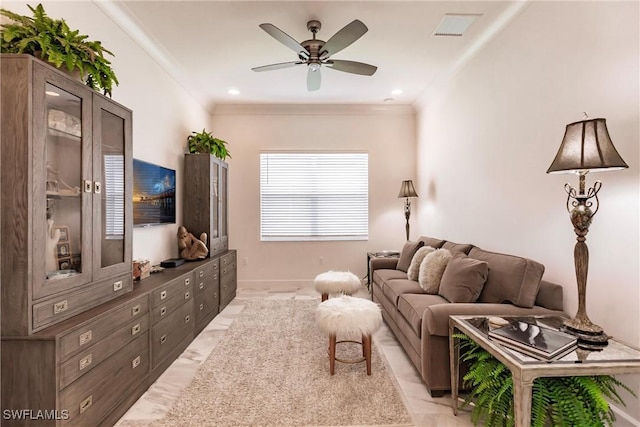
457, 247
406, 255
430, 241
392, 289
414, 267
463, 279
431, 270
412, 306
381, 276
511, 278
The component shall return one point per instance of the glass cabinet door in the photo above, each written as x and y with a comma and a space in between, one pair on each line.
112, 204
61, 199
215, 201
223, 204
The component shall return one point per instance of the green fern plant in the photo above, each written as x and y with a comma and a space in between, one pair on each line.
556, 401
53, 41
204, 142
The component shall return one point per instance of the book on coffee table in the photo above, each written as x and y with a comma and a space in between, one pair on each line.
534, 340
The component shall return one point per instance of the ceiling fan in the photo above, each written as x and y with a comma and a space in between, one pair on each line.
315, 53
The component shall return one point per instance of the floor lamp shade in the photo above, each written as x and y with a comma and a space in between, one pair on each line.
407, 190
586, 147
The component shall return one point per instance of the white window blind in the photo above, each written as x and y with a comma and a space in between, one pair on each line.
314, 196
113, 197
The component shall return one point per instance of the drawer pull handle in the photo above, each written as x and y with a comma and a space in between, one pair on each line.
187, 295
85, 361
59, 307
224, 288
201, 307
85, 404
117, 286
163, 294
86, 337
215, 276
135, 329
163, 311
135, 362
187, 318
215, 295
187, 281
135, 310
201, 273
201, 285
163, 339
224, 271
97, 187
88, 186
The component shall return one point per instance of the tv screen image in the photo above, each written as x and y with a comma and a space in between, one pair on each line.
154, 194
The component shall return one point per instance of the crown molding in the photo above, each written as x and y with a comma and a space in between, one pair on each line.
312, 109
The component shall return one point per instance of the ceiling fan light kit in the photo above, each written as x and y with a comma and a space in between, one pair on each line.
315, 53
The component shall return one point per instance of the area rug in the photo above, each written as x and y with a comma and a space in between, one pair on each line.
272, 369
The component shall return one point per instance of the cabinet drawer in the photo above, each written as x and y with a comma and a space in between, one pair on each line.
88, 359
167, 307
228, 286
205, 303
205, 269
208, 281
171, 289
90, 397
63, 307
227, 259
98, 329
170, 331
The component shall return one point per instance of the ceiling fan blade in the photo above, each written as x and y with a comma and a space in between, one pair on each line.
313, 79
277, 66
352, 67
343, 38
285, 39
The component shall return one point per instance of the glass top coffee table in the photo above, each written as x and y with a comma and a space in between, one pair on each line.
615, 358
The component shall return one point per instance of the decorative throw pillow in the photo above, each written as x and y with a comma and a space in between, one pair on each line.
414, 267
463, 279
406, 255
431, 270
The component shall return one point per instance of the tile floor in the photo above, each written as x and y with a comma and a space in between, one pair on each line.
154, 404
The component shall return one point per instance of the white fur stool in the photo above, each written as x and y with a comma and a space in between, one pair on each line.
336, 282
351, 318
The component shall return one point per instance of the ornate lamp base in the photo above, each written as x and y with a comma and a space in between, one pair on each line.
588, 333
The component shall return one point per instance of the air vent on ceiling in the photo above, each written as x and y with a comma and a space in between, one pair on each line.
454, 24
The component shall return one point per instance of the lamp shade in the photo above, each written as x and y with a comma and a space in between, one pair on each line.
407, 190
586, 146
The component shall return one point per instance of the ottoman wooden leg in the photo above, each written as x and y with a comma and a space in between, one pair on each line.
332, 354
325, 297
366, 346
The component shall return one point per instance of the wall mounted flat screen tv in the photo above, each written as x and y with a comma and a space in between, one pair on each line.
154, 194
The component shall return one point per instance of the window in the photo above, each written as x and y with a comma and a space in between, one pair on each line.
113, 198
314, 196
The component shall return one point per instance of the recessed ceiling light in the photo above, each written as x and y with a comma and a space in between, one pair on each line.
52, 93
396, 92
233, 92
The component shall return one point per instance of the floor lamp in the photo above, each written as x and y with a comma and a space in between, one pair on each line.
586, 147
406, 191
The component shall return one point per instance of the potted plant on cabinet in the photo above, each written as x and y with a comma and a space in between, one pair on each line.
53, 41
204, 142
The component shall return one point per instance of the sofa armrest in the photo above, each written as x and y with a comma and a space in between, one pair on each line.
435, 320
383, 264
550, 296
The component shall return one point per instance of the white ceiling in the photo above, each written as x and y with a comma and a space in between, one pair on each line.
211, 46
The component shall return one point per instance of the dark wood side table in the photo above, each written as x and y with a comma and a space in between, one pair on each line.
379, 254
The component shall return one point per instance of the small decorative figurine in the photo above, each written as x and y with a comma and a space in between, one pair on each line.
191, 248
53, 236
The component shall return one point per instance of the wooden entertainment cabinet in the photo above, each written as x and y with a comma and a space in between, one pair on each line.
80, 341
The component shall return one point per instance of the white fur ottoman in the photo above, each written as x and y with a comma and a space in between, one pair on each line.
336, 282
351, 318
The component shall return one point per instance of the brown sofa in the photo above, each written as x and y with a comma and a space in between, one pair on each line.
420, 321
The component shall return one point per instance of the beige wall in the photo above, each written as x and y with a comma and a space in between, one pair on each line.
163, 113
387, 134
484, 147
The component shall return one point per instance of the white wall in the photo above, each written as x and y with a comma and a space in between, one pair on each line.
484, 147
163, 113
387, 134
